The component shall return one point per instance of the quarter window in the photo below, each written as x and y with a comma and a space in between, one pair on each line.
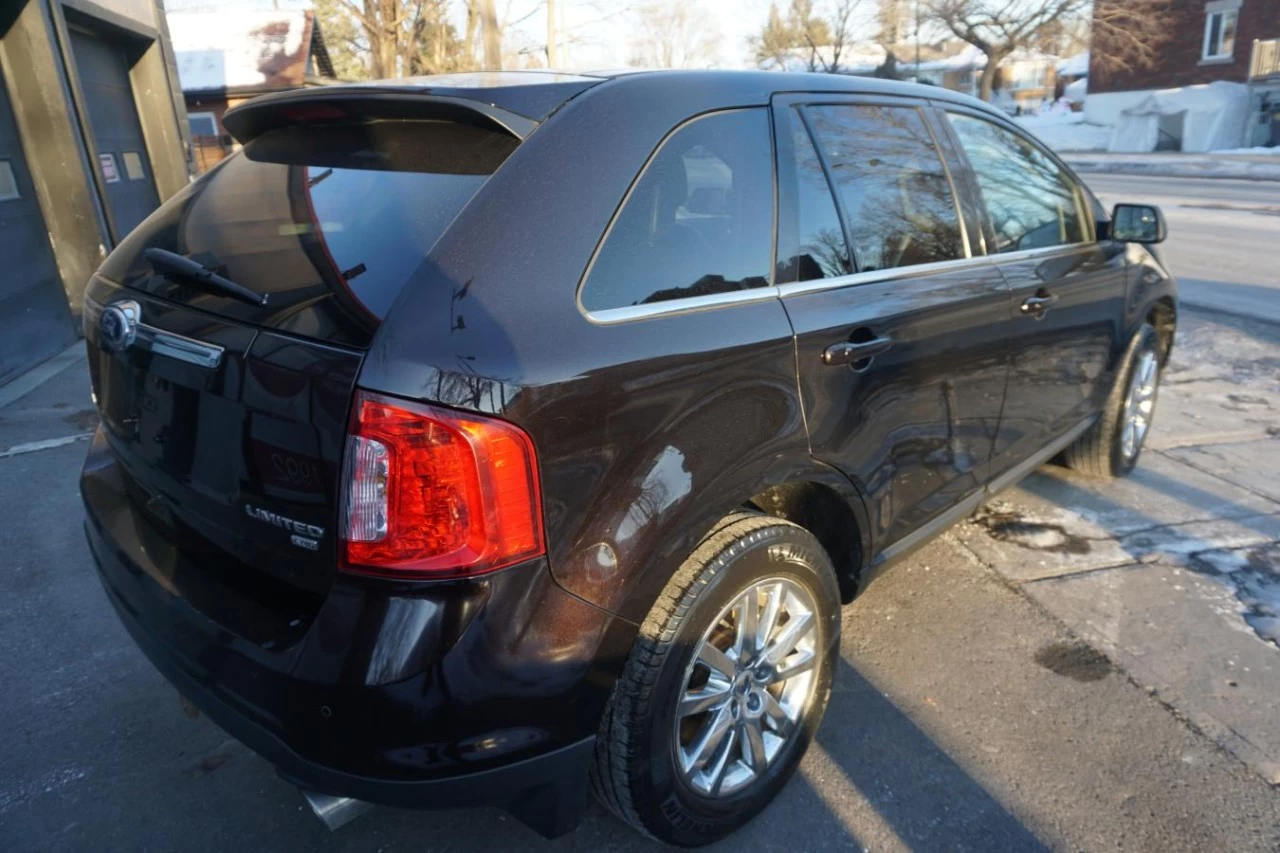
898, 206
699, 221
1220, 34
1032, 203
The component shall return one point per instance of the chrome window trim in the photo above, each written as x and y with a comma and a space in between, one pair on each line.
869, 276
627, 313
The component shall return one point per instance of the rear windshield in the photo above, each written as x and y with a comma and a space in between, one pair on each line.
327, 220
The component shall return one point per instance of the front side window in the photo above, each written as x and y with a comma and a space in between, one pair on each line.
699, 221
898, 206
1220, 34
1032, 203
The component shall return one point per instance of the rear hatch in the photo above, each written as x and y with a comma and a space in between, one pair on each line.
226, 413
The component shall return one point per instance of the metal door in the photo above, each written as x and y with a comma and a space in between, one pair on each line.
34, 320
119, 150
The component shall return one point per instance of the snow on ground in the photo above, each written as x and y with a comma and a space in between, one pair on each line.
1067, 131
1274, 150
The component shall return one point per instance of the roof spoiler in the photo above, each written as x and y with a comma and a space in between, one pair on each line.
305, 106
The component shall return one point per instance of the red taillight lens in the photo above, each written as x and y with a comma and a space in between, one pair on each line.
430, 492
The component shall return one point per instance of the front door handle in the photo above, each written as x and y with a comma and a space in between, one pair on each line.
847, 352
1038, 304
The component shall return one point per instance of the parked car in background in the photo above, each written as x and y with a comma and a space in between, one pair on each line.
467, 439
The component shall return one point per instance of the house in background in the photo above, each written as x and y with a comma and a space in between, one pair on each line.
1024, 83
1231, 42
225, 59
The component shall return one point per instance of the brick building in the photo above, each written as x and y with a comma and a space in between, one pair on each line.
1231, 40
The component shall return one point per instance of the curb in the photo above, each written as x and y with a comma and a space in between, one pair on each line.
23, 384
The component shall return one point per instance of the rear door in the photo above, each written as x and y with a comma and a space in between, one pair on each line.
1068, 289
227, 418
902, 330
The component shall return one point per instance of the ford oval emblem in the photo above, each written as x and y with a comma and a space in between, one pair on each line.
118, 325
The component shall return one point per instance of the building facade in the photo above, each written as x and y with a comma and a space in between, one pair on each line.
224, 60
92, 139
1203, 41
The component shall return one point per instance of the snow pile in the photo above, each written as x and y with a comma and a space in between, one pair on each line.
1066, 131
1075, 66
1208, 117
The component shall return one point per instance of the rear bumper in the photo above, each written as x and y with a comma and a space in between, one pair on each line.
498, 785
479, 692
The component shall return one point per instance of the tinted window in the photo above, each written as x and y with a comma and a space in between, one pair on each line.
320, 218
1032, 203
892, 183
820, 248
699, 220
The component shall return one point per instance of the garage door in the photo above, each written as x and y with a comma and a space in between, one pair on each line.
103, 66
34, 320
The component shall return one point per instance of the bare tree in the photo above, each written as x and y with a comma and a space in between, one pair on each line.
1129, 34
490, 34
391, 38
672, 34
999, 27
837, 33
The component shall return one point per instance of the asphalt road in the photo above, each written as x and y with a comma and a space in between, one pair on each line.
1224, 237
975, 708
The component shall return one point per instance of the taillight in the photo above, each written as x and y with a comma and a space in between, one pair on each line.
430, 492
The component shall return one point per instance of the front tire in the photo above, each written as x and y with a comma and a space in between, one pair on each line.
1111, 447
725, 685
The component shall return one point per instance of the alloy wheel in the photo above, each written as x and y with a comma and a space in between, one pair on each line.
1139, 405
748, 687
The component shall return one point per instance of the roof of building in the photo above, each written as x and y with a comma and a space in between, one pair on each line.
255, 51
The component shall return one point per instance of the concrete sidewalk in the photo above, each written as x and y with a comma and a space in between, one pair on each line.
1254, 167
1173, 572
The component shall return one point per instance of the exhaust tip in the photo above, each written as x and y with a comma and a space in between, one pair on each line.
335, 812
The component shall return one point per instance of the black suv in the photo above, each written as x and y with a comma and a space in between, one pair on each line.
465, 439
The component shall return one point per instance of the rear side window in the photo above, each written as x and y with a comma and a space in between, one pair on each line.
699, 220
1032, 203
890, 179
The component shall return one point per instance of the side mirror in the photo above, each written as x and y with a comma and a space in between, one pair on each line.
1138, 223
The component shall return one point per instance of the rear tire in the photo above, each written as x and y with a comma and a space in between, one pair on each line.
661, 766
1107, 450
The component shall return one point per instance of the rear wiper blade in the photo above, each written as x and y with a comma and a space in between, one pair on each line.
192, 271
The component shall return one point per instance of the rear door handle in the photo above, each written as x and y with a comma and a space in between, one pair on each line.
847, 352
1039, 303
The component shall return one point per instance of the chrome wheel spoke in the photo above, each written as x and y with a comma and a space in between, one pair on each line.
716, 774
747, 616
710, 695
713, 734
753, 745
717, 661
792, 632
769, 618
777, 715
794, 665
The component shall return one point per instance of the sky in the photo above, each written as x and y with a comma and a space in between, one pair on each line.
594, 33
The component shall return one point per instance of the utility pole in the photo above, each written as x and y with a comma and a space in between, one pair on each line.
551, 34
915, 77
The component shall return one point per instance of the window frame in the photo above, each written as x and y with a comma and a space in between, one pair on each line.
1221, 14
1087, 205
966, 213
628, 313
